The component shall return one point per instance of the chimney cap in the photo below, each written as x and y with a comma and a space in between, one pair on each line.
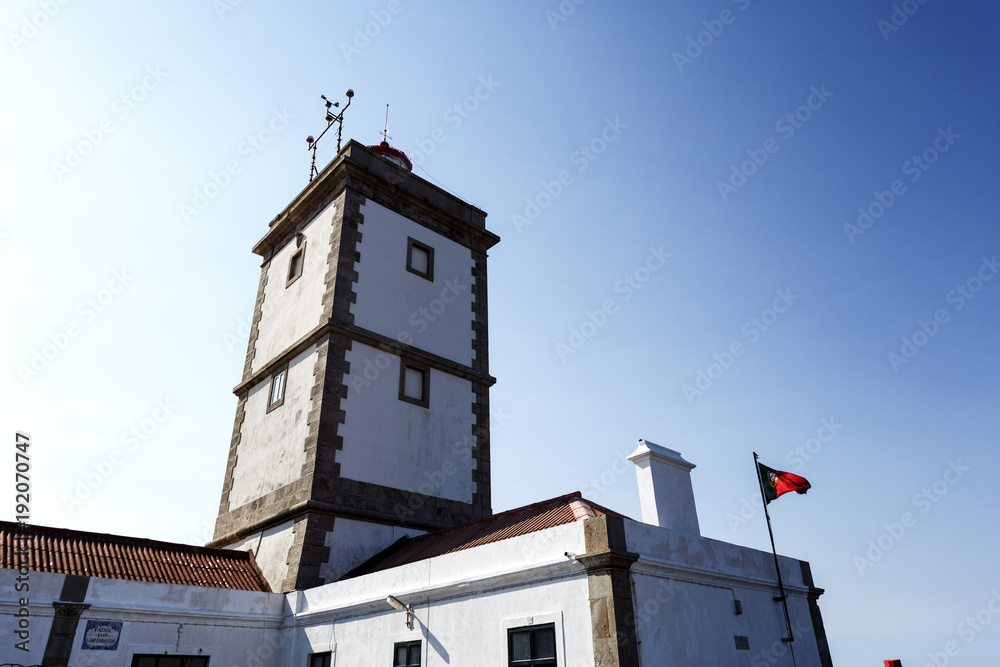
647, 451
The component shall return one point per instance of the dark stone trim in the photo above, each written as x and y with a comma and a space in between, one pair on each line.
271, 367
386, 344
308, 552
355, 500
817, 618
481, 365
607, 560
259, 514
234, 446
65, 621
609, 581
70, 609
371, 339
255, 324
74, 588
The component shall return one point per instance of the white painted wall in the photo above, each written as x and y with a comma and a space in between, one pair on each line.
685, 586
353, 542
464, 604
271, 451
404, 446
43, 588
230, 626
433, 316
270, 549
289, 313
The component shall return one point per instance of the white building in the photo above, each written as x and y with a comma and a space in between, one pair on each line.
356, 505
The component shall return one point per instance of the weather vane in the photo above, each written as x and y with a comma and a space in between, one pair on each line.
330, 120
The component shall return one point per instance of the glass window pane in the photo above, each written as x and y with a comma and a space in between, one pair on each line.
278, 387
144, 661
169, 661
295, 265
544, 643
520, 645
195, 662
419, 259
400, 656
414, 659
413, 384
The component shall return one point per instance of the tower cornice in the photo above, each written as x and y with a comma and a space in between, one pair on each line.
356, 165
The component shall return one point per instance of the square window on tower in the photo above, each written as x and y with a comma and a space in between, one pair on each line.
414, 383
420, 259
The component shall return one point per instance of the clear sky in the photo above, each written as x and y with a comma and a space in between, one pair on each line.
683, 259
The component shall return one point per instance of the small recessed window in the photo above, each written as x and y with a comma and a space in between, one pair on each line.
319, 659
533, 646
295, 263
406, 654
414, 384
277, 394
420, 259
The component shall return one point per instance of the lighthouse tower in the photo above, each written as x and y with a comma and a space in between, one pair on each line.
363, 411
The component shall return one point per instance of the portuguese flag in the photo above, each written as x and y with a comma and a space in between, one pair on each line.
777, 482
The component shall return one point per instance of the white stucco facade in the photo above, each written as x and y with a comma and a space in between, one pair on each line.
290, 311
276, 455
683, 594
436, 315
353, 542
463, 605
686, 588
157, 619
397, 444
270, 548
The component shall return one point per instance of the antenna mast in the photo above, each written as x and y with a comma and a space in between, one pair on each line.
330, 120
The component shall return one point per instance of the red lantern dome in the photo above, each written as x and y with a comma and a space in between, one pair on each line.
389, 153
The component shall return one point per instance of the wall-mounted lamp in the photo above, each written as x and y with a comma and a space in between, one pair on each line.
399, 606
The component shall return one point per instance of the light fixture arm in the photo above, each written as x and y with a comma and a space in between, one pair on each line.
396, 604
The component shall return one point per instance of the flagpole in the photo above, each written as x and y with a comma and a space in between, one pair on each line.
781, 586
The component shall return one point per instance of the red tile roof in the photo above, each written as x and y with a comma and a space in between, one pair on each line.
512, 523
64, 551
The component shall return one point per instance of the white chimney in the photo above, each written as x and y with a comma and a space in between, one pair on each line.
665, 492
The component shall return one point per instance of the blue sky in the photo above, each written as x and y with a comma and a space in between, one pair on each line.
599, 140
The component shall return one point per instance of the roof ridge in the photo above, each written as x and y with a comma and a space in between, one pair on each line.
497, 517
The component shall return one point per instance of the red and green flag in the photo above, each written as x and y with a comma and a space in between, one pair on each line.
777, 482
